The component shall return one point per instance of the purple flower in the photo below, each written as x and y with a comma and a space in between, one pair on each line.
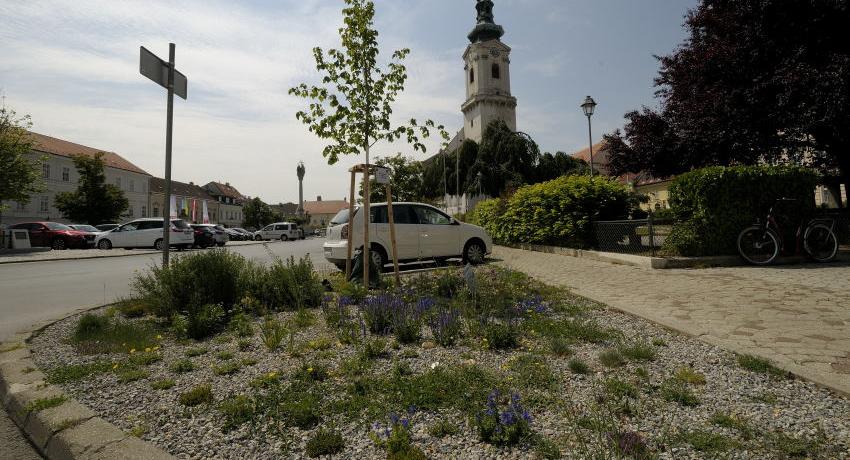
394, 418
405, 423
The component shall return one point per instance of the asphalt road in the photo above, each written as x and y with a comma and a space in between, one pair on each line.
34, 292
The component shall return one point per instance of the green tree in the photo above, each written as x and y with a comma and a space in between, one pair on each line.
405, 178
94, 202
560, 164
20, 176
506, 159
258, 214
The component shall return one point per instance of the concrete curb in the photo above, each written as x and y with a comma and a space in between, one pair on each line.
67, 430
658, 263
142, 252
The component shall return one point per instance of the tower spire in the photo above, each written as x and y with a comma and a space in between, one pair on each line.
485, 29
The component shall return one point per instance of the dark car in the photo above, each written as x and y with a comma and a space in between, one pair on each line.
53, 235
204, 236
107, 227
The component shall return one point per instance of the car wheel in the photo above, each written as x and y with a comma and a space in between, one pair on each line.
59, 244
378, 258
158, 244
104, 244
283, 237
258, 238
473, 253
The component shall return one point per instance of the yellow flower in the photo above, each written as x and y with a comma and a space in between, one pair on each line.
132, 350
156, 348
309, 369
148, 350
272, 375
115, 366
159, 337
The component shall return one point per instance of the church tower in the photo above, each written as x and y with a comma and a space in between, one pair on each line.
488, 77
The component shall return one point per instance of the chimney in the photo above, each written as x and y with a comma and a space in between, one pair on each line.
319, 198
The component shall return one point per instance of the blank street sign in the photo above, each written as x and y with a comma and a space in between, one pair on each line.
157, 70
382, 175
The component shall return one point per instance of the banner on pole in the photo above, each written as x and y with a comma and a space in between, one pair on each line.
206, 213
174, 211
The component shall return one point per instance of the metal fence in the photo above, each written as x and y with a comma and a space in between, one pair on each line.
647, 236
637, 236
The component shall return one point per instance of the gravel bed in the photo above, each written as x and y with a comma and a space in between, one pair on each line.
792, 406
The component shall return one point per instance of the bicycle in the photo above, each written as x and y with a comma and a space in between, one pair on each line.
761, 243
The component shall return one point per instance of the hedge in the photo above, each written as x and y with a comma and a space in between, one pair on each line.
712, 205
558, 212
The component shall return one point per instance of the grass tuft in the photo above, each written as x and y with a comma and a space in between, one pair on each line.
611, 358
686, 374
324, 442
201, 394
578, 366
45, 403
760, 365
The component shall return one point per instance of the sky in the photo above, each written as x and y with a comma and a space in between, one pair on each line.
73, 65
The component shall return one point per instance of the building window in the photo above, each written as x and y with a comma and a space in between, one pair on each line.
118, 182
144, 211
472, 75
43, 204
132, 185
130, 211
66, 174
155, 211
496, 72
45, 171
20, 206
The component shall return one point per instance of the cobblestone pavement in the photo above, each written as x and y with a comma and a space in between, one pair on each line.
796, 315
13, 446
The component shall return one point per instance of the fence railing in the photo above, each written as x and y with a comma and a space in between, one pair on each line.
636, 236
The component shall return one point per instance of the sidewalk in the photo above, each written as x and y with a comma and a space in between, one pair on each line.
797, 316
81, 254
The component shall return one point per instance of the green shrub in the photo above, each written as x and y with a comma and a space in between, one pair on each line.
501, 336
578, 366
205, 321
196, 351
637, 351
236, 410
443, 428
227, 368
201, 394
324, 442
91, 327
133, 308
240, 324
487, 214
192, 281
620, 389
182, 366
288, 285
677, 392
163, 384
503, 421
611, 358
558, 212
273, 333
712, 205
560, 346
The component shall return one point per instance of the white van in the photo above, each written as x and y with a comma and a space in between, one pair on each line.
280, 231
146, 233
422, 232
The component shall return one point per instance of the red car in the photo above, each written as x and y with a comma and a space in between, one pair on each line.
52, 234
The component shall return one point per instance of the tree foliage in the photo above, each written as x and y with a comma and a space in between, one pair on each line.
94, 202
20, 176
405, 177
756, 80
353, 105
257, 214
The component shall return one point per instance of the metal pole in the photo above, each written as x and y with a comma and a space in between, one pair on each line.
457, 178
350, 226
391, 219
590, 141
166, 217
651, 234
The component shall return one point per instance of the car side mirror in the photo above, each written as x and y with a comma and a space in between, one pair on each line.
454, 221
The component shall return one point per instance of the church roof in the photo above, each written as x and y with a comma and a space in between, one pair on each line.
485, 29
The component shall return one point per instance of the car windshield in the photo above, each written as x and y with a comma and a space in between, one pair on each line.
181, 224
85, 228
341, 217
55, 226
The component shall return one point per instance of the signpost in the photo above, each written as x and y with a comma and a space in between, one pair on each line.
164, 74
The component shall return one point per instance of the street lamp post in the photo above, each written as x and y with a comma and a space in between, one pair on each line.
589, 106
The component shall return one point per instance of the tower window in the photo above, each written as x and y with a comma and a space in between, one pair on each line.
472, 75
496, 72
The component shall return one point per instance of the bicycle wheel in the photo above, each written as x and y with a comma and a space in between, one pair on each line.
757, 245
820, 243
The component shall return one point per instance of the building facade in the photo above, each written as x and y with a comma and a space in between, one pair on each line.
188, 204
60, 175
321, 212
229, 202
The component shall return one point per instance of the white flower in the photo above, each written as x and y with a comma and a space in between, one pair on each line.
435, 364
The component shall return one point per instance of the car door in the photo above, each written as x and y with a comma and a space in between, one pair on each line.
124, 236
406, 231
437, 236
147, 233
38, 234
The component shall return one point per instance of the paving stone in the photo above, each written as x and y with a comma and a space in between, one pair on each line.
19, 402
16, 376
777, 312
43, 424
84, 439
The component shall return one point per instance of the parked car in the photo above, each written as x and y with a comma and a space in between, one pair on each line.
52, 234
147, 233
280, 231
106, 227
246, 235
221, 237
422, 232
204, 236
233, 235
91, 232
